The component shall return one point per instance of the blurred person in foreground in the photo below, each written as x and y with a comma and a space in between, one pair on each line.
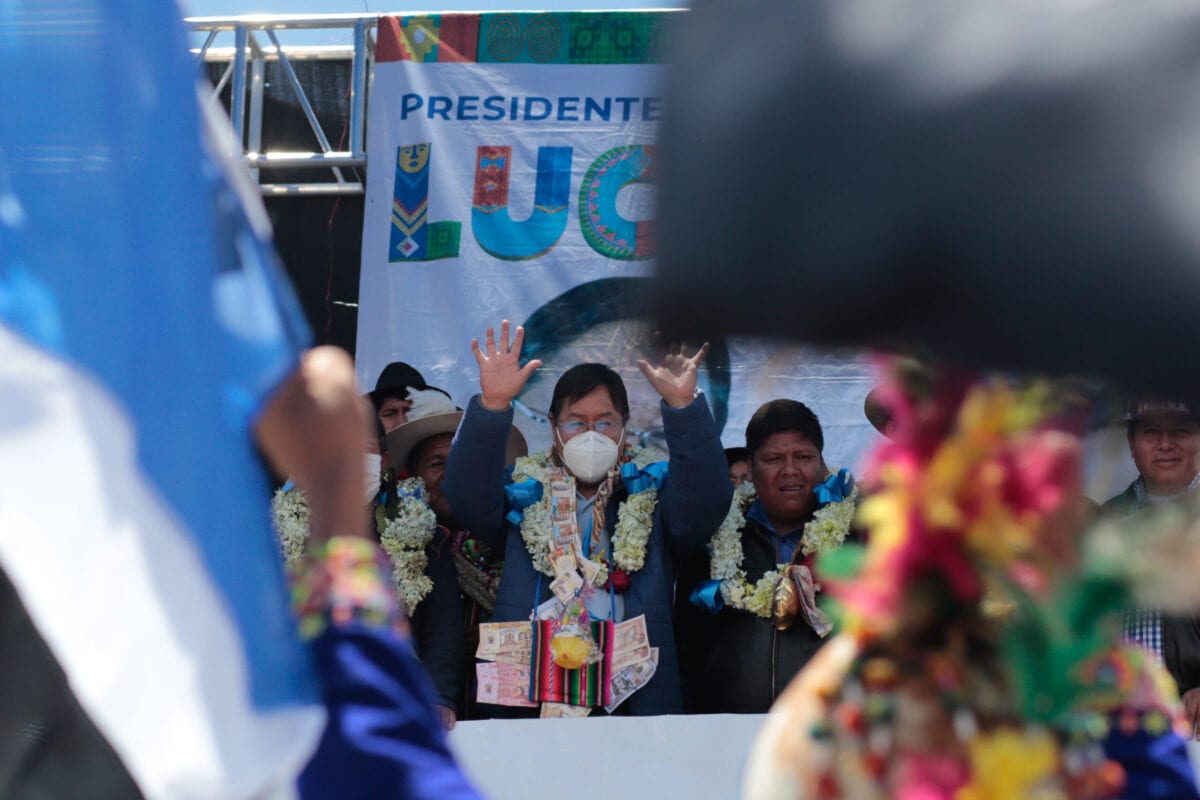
145, 635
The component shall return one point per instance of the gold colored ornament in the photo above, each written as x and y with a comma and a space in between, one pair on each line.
786, 603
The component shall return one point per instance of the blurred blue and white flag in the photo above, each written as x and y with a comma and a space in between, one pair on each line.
142, 325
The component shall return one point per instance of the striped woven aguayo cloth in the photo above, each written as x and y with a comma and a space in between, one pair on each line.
587, 686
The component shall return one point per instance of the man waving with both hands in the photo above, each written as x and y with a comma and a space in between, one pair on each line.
635, 517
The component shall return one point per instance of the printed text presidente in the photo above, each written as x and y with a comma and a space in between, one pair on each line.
531, 108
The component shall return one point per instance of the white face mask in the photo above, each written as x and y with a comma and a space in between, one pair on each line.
589, 455
372, 466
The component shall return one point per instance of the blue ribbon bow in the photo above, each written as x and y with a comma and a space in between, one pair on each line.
639, 480
708, 596
404, 494
521, 496
835, 488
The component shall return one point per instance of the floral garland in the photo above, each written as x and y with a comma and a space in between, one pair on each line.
635, 515
290, 513
824, 532
404, 537
403, 533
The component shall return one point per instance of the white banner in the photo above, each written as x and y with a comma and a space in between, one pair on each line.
512, 177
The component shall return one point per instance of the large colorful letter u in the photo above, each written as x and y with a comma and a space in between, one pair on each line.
495, 230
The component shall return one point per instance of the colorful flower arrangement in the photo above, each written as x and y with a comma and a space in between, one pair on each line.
980, 655
983, 498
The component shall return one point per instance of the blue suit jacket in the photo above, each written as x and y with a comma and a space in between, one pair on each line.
692, 503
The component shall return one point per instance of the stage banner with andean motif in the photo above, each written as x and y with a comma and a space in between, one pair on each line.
512, 162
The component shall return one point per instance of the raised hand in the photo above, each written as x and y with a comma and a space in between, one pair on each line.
501, 376
675, 378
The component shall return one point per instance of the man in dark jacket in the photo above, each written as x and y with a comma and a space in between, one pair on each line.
588, 414
1164, 441
442, 625
740, 647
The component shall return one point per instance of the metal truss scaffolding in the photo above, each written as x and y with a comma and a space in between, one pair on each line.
256, 53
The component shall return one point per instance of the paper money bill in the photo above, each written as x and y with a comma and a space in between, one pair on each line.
510, 642
589, 568
518, 658
562, 710
503, 685
562, 508
632, 678
631, 643
572, 544
565, 586
551, 609
564, 523
566, 530
816, 618
564, 565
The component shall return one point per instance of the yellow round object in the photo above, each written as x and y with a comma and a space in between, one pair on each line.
570, 651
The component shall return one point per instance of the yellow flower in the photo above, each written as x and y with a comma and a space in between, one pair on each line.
1011, 764
998, 535
885, 515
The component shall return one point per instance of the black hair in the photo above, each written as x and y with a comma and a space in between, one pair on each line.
582, 379
736, 454
783, 415
380, 395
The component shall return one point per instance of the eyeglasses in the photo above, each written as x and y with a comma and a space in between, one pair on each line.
573, 427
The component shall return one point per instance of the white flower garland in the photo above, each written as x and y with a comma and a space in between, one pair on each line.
403, 537
824, 532
289, 513
635, 516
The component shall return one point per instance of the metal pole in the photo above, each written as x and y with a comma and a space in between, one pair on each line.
216, 94
306, 106
257, 70
358, 89
208, 40
310, 189
313, 122
237, 103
